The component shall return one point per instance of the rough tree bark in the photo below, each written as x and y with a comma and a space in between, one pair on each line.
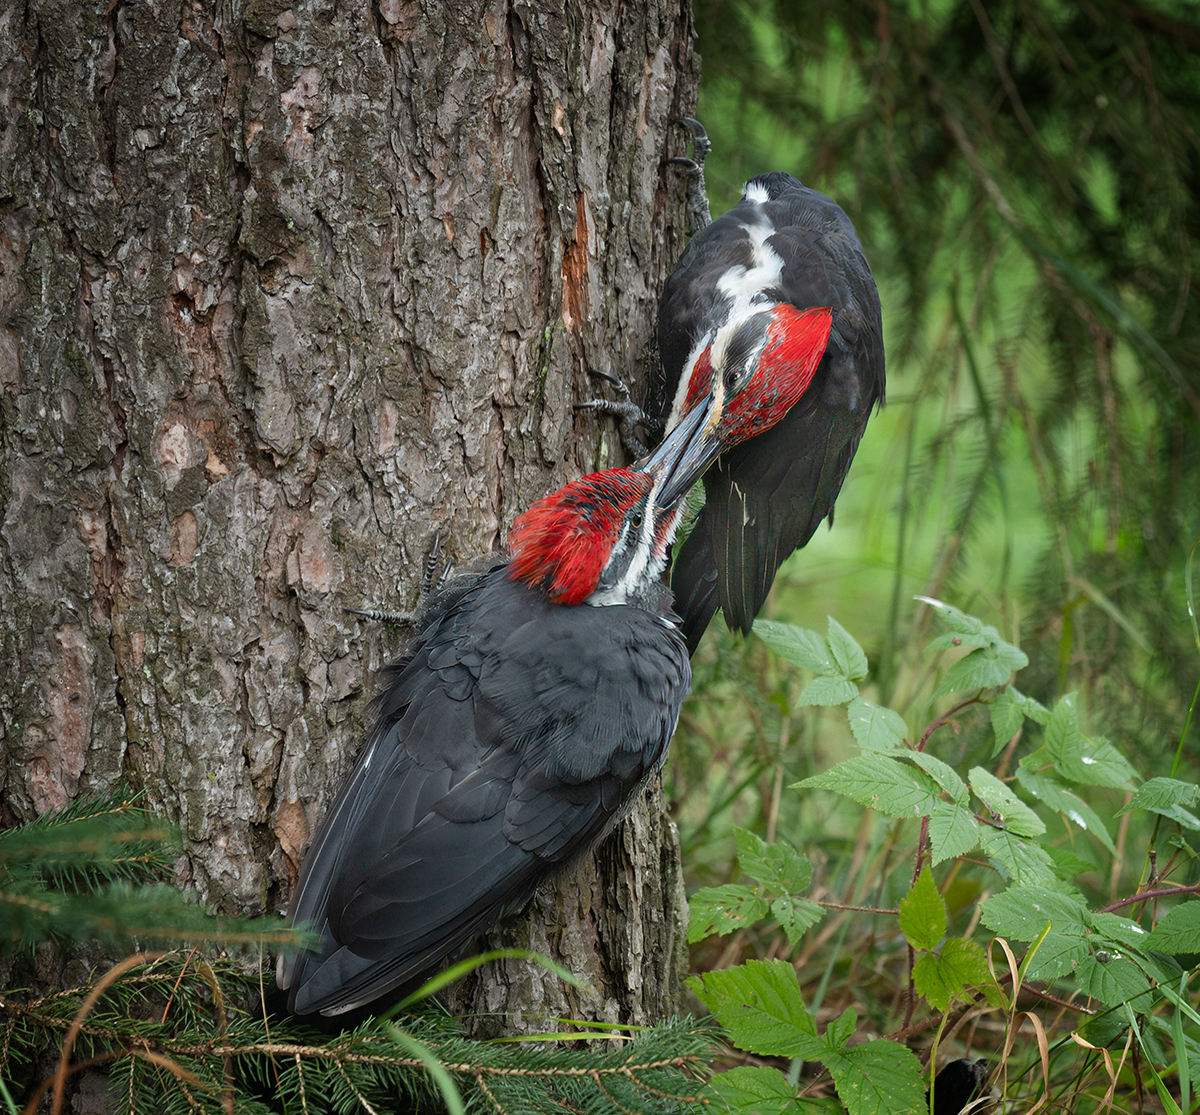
286, 288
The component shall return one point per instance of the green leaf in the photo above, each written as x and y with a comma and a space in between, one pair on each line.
1070, 805
756, 1091
942, 773
1090, 762
1021, 913
828, 692
797, 645
849, 656
965, 626
942, 979
1179, 931
923, 914
1111, 978
983, 669
881, 783
796, 915
876, 728
841, 1029
1008, 714
1160, 794
723, 910
953, 831
1026, 863
779, 867
759, 1004
1016, 815
877, 1077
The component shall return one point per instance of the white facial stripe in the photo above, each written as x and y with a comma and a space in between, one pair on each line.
685, 379
646, 565
755, 191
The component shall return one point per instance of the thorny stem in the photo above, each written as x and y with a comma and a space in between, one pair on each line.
1165, 892
945, 717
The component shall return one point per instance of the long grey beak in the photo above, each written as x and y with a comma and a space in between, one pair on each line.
684, 455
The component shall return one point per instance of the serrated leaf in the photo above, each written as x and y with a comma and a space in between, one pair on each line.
1111, 978
942, 773
957, 621
827, 692
779, 867
722, 910
1090, 762
1021, 913
1071, 805
1025, 863
953, 831
1179, 931
841, 1029
797, 645
923, 914
1121, 931
876, 728
796, 915
758, 1090
849, 656
1015, 814
882, 783
877, 1076
1160, 794
1066, 863
759, 1003
1007, 718
943, 978
984, 668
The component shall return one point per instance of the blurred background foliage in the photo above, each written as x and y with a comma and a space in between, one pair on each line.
1024, 177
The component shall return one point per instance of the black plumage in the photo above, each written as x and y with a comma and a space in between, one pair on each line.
783, 243
509, 739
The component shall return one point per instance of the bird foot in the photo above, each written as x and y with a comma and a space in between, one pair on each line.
431, 579
627, 413
697, 199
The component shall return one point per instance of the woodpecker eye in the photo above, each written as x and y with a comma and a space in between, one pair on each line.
635, 520
731, 380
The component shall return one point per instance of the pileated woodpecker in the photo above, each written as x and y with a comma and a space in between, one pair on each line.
730, 308
536, 699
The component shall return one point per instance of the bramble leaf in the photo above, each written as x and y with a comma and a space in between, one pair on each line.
1021, 913
797, 645
1062, 799
827, 692
723, 910
943, 773
923, 914
849, 656
1025, 862
1163, 795
882, 783
953, 831
759, 1003
796, 915
756, 1090
877, 1076
943, 978
1016, 815
1179, 931
779, 867
876, 728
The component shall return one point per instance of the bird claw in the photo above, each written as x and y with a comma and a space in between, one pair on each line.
627, 413
697, 192
431, 580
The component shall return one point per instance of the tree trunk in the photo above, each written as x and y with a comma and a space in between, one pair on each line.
287, 290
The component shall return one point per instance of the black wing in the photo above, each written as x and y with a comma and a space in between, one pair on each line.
766, 497
508, 742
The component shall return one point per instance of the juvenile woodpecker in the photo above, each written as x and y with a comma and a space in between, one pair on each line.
537, 698
731, 309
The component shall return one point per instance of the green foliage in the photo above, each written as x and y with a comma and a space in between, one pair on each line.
92, 871
1004, 855
185, 1035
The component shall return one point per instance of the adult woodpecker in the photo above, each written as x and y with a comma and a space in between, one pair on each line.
537, 698
744, 278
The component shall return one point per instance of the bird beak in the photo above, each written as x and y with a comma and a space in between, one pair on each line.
685, 453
